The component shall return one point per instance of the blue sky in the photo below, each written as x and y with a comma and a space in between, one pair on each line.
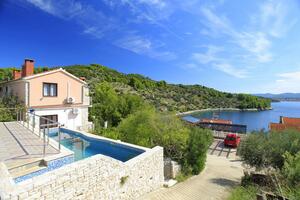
247, 46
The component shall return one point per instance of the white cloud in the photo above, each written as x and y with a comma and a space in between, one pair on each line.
157, 3
255, 43
287, 82
144, 46
64, 8
275, 17
231, 70
248, 45
209, 56
93, 22
96, 23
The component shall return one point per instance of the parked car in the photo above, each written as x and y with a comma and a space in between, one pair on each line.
232, 140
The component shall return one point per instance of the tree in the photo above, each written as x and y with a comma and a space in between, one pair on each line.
105, 105
199, 142
149, 128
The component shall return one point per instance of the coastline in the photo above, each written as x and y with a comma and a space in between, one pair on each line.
221, 109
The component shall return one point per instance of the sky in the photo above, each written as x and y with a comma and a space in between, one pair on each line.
249, 46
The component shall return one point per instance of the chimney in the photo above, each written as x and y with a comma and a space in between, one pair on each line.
28, 67
281, 120
82, 78
17, 74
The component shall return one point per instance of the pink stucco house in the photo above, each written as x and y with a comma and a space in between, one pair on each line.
56, 94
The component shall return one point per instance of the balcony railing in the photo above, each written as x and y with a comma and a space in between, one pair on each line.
31, 121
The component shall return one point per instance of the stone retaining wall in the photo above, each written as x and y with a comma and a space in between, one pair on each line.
97, 177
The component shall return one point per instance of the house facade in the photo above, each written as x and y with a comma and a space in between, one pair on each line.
56, 95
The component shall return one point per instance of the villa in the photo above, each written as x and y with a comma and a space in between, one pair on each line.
56, 95
46, 153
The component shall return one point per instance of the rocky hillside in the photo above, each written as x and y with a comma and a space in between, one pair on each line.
166, 97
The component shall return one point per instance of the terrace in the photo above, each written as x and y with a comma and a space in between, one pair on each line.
36, 162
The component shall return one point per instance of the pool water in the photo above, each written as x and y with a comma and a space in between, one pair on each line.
84, 146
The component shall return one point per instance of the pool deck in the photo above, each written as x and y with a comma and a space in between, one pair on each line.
18, 145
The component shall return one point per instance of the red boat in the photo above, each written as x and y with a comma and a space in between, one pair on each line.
232, 140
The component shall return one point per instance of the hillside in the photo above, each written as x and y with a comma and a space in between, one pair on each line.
166, 97
281, 97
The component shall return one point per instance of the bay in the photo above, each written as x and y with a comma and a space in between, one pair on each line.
256, 120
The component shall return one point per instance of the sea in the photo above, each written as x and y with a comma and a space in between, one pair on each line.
255, 120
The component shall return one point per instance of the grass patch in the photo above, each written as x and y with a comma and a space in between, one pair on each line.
182, 177
244, 193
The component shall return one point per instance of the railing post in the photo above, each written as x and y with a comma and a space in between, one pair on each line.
27, 119
39, 130
44, 139
59, 138
48, 133
33, 122
23, 118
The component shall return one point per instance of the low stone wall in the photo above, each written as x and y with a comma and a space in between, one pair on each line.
97, 177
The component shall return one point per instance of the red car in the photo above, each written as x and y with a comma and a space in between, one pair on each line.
232, 140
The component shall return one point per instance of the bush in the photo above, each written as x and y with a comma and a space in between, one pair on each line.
243, 193
150, 128
5, 115
291, 169
199, 142
265, 150
112, 107
7, 108
252, 150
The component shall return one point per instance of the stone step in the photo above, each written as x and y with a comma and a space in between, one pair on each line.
23, 162
26, 171
25, 167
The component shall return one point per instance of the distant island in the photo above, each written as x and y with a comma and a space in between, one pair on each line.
281, 97
164, 96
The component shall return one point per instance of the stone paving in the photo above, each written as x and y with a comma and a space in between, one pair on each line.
214, 183
18, 144
217, 148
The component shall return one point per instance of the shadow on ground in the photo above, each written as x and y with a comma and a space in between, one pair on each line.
224, 182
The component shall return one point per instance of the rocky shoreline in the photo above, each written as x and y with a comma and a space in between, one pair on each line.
221, 109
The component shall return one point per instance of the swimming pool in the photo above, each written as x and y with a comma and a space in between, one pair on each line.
84, 146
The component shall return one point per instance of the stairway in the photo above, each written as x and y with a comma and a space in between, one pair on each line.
18, 169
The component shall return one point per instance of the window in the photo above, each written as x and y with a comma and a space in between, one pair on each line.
50, 89
44, 120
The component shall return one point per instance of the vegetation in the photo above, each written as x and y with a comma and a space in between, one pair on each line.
166, 97
129, 104
8, 102
262, 150
6, 73
132, 119
199, 142
278, 155
243, 193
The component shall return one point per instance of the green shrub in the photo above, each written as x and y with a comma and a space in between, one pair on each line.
291, 169
150, 128
199, 142
267, 149
243, 193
